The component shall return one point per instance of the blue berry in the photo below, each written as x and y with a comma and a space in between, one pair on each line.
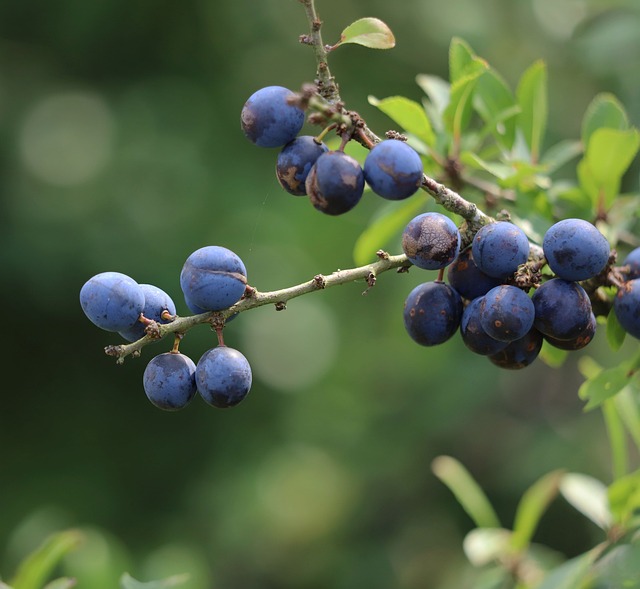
156, 301
499, 248
507, 313
580, 341
393, 169
626, 306
468, 279
473, 334
213, 278
432, 313
169, 381
335, 183
519, 353
295, 161
575, 249
633, 261
268, 120
431, 241
223, 377
563, 309
112, 301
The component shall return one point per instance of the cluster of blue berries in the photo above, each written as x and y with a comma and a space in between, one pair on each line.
333, 180
493, 312
213, 278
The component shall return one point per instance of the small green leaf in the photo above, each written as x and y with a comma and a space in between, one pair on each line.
36, 568
629, 412
128, 582
438, 92
460, 56
604, 385
624, 496
458, 113
560, 154
619, 568
483, 546
378, 235
497, 106
617, 438
531, 507
571, 574
408, 114
369, 32
532, 98
605, 111
588, 496
615, 333
466, 490
62, 583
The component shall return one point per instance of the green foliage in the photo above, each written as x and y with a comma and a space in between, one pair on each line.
369, 32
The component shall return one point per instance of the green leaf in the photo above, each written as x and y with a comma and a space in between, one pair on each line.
466, 490
62, 583
588, 496
497, 106
560, 154
615, 333
624, 496
458, 113
438, 92
605, 111
604, 385
128, 582
571, 574
619, 568
531, 507
460, 56
533, 101
629, 412
378, 235
408, 114
36, 568
617, 438
369, 32
552, 356
485, 545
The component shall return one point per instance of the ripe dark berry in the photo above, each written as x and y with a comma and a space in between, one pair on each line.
156, 301
431, 241
519, 353
393, 169
575, 249
112, 301
468, 279
295, 161
335, 183
563, 309
499, 248
472, 332
633, 261
432, 313
578, 342
223, 377
169, 381
507, 313
268, 120
626, 306
213, 278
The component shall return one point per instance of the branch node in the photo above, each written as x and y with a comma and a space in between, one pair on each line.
382, 254
320, 281
281, 306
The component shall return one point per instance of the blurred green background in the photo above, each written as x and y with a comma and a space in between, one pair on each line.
120, 149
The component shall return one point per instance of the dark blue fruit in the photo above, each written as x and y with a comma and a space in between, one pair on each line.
431, 241
213, 278
268, 120
223, 377
335, 183
507, 313
295, 161
112, 301
575, 249
578, 342
432, 313
633, 261
393, 169
169, 381
563, 309
519, 353
472, 332
626, 306
468, 279
499, 248
156, 301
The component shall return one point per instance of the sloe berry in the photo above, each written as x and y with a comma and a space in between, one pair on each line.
468, 279
156, 301
112, 301
633, 261
432, 313
626, 306
507, 313
499, 248
578, 342
213, 278
575, 249
268, 120
295, 161
431, 241
223, 377
472, 332
169, 381
519, 353
335, 183
393, 169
